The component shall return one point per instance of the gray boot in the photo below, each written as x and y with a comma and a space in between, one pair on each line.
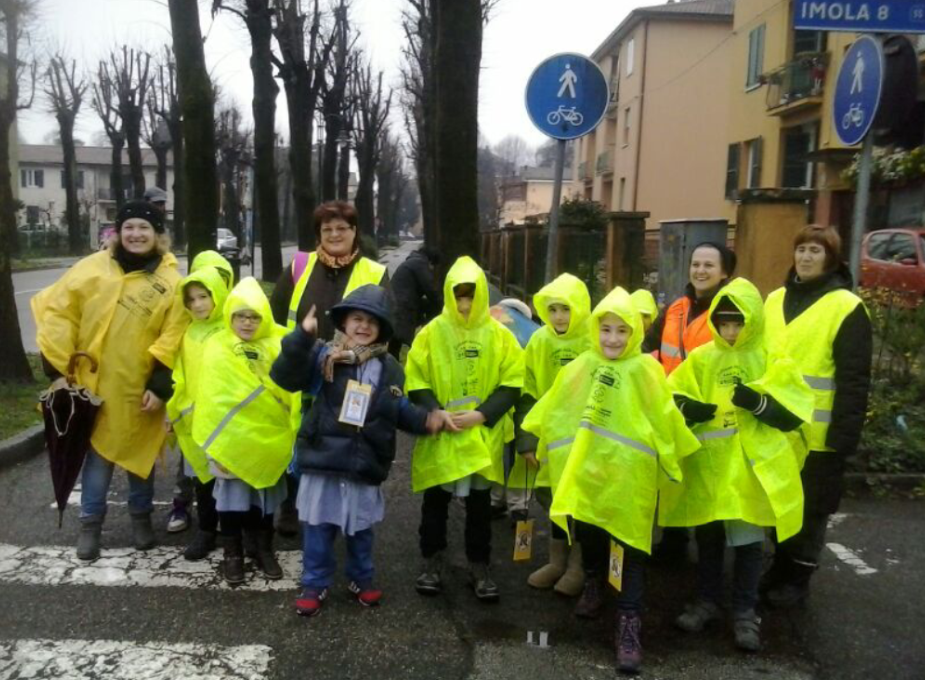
142, 531
88, 542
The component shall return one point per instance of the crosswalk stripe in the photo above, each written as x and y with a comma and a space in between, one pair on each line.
73, 500
121, 567
84, 659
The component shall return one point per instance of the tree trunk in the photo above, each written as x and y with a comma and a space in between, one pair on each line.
115, 172
458, 29
197, 104
264, 108
299, 104
72, 207
343, 173
160, 176
365, 201
132, 130
179, 190
329, 173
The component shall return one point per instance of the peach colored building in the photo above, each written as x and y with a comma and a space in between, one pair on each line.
661, 147
528, 193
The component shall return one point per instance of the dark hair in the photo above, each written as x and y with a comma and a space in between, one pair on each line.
727, 257
431, 253
334, 210
827, 237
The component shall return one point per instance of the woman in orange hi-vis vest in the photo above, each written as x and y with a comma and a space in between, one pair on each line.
679, 330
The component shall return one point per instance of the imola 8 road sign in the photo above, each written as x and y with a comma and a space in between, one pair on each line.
858, 89
567, 96
864, 16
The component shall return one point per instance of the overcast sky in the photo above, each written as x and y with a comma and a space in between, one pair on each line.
520, 35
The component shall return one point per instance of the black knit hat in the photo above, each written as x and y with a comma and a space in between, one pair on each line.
727, 311
140, 210
726, 256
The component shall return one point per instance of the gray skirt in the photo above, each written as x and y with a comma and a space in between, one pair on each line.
328, 499
235, 495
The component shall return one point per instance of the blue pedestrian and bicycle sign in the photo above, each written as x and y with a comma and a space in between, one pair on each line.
872, 16
567, 96
858, 89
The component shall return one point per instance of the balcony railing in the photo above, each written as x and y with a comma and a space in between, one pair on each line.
604, 163
584, 171
108, 194
796, 84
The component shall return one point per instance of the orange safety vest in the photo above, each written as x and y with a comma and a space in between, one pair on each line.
680, 337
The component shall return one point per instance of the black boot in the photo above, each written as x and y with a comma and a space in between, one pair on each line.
780, 573
142, 531
591, 602
88, 542
199, 548
266, 558
233, 560
795, 591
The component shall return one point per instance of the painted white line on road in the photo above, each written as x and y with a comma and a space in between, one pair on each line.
27, 292
837, 518
74, 500
119, 660
122, 567
852, 559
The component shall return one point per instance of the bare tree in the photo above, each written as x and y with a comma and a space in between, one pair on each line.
154, 133
13, 363
164, 111
392, 184
130, 77
233, 142
257, 16
106, 107
514, 152
65, 91
196, 165
337, 105
372, 112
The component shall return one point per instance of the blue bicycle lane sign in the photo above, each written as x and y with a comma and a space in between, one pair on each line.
858, 89
567, 96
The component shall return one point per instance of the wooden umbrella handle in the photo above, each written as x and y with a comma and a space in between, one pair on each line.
72, 365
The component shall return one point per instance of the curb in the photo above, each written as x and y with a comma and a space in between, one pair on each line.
22, 446
865, 482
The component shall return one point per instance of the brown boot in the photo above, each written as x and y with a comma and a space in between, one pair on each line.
573, 580
549, 574
591, 602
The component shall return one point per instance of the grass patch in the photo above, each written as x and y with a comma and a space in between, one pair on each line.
18, 402
19, 265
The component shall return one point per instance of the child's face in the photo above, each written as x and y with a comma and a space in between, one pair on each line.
245, 323
464, 294
198, 301
646, 322
559, 317
729, 331
360, 328
615, 333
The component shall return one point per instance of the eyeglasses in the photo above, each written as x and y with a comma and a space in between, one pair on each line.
247, 318
330, 231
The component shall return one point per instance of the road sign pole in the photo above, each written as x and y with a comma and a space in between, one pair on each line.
552, 238
861, 202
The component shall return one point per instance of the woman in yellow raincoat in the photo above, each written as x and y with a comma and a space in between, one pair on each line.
120, 306
564, 306
747, 474
241, 423
612, 433
468, 363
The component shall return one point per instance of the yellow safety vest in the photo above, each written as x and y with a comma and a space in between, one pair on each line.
745, 470
808, 339
364, 271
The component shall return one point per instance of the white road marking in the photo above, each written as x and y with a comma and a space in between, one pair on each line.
119, 660
122, 567
74, 500
852, 559
28, 292
837, 518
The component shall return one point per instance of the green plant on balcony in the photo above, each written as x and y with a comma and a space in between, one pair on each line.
890, 168
582, 214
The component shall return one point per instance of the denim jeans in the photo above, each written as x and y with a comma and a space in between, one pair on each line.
95, 480
319, 563
711, 552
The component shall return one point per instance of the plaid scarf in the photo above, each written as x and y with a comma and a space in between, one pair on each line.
339, 354
339, 262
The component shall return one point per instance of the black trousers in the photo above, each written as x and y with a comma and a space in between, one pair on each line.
434, 511
711, 553
205, 505
234, 524
595, 554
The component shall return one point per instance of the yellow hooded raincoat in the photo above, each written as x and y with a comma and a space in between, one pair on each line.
241, 417
189, 361
746, 470
548, 352
644, 302
210, 258
463, 362
125, 321
613, 429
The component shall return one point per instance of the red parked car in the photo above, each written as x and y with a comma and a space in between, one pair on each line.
895, 259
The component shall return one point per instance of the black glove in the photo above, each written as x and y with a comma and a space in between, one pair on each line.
746, 397
696, 411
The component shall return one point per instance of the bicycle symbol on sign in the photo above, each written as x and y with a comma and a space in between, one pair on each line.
569, 115
854, 116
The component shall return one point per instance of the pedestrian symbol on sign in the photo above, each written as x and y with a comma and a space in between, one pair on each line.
568, 80
857, 85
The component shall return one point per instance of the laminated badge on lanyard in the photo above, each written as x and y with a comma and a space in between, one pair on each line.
523, 533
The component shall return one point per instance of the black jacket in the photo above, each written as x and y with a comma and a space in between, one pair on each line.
324, 445
417, 297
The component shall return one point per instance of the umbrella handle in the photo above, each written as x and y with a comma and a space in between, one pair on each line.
54, 418
72, 365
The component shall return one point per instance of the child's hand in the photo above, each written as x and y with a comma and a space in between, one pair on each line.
466, 419
530, 460
168, 426
150, 402
310, 323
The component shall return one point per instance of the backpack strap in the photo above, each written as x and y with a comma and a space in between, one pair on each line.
299, 262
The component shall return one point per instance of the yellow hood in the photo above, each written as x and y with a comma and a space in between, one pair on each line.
568, 290
746, 297
249, 295
645, 302
210, 258
465, 270
211, 280
617, 302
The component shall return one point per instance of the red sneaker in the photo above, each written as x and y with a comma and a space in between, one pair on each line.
366, 595
309, 602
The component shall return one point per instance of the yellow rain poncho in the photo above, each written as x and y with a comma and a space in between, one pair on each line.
463, 362
210, 258
644, 302
125, 321
188, 364
746, 470
241, 419
548, 352
615, 430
